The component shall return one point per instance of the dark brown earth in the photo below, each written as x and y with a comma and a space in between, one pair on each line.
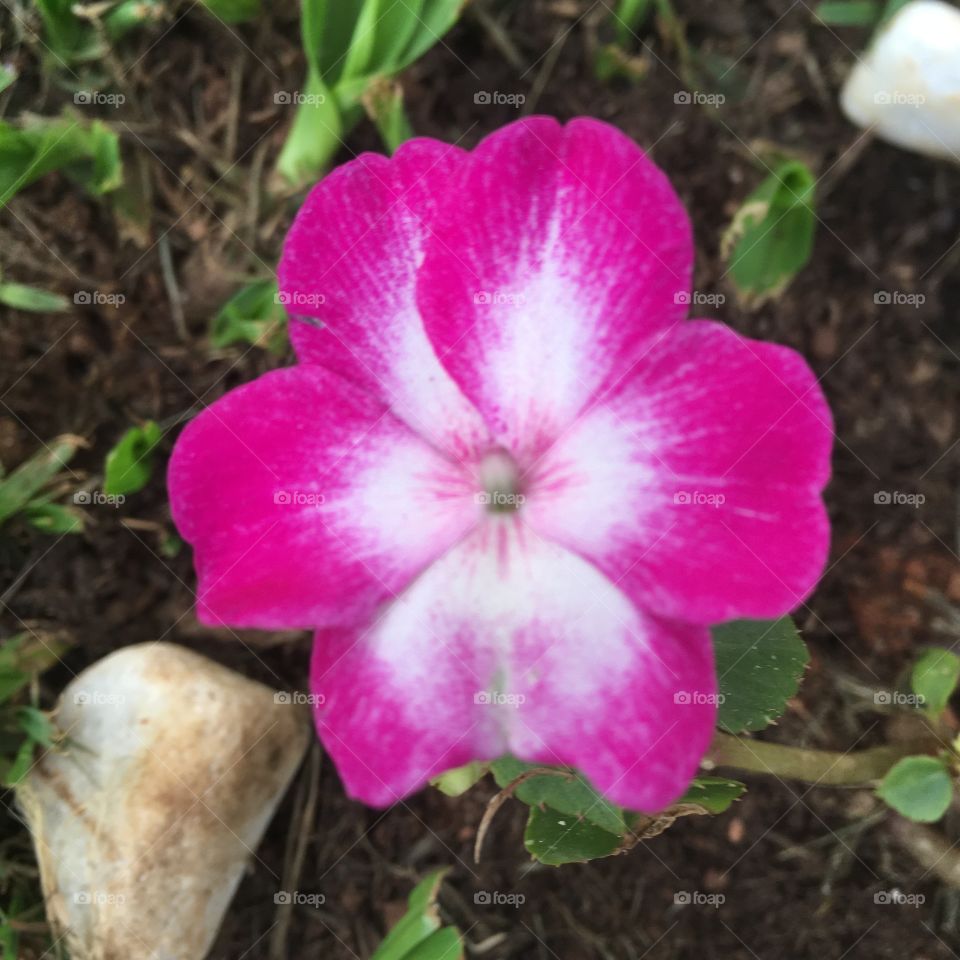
798, 867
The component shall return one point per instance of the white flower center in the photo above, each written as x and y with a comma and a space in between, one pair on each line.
500, 479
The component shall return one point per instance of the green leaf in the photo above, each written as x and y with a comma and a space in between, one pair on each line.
848, 13
416, 926
21, 297
66, 35
398, 24
458, 781
759, 665
37, 725
252, 315
771, 237
128, 465
630, 17
130, 14
920, 788
384, 103
934, 679
570, 795
892, 8
8, 75
437, 18
88, 153
53, 518
445, 944
314, 136
326, 30
22, 656
15, 770
21, 486
714, 794
555, 838
234, 11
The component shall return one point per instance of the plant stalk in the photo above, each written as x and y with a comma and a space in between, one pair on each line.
827, 767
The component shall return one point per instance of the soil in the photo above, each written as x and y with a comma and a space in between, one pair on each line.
798, 867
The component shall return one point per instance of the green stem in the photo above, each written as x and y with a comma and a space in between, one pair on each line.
827, 767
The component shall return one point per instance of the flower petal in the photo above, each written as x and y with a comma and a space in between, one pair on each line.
696, 486
512, 644
564, 252
308, 503
350, 260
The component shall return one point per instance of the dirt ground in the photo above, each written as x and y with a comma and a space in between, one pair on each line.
798, 868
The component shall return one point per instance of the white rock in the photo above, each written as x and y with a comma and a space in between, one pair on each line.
907, 86
144, 824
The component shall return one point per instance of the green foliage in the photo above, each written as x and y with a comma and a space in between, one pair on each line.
771, 237
934, 678
418, 935
89, 153
351, 47
21, 297
254, 315
555, 838
630, 17
22, 490
234, 11
384, 103
458, 781
919, 788
566, 792
848, 13
129, 464
714, 794
759, 665
23, 728
857, 13
71, 39
570, 822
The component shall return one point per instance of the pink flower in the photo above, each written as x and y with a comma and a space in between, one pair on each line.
508, 482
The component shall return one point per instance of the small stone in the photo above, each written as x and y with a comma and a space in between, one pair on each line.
145, 819
907, 85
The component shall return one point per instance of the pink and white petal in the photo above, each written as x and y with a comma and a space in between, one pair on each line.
561, 259
511, 644
350, 261
696, 486
308, 503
